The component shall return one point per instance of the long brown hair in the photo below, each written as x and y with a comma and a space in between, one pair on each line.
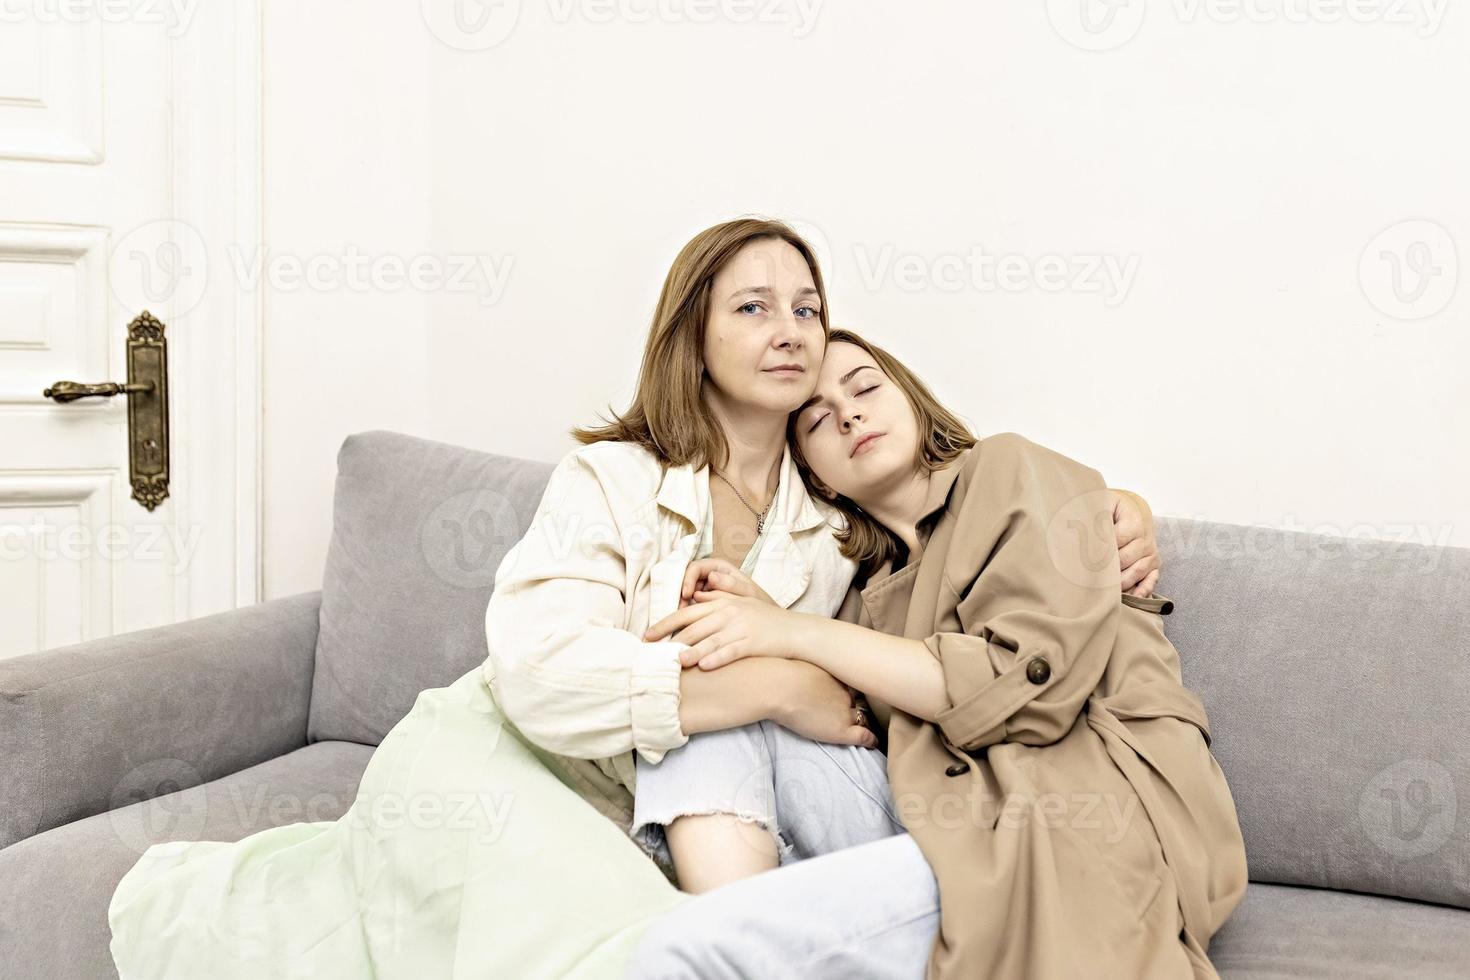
668, 416
942, 438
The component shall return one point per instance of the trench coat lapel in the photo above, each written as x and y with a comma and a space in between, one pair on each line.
888, 599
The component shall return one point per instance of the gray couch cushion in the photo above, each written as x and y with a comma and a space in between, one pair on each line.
1336, 675
418, 530
1280, 931
55, 887
93, 726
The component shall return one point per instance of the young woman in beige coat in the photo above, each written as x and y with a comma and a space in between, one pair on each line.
1042, 749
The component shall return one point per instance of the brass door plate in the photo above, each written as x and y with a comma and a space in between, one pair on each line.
148, 410
147, 391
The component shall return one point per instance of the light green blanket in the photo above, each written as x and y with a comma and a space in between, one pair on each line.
462, 856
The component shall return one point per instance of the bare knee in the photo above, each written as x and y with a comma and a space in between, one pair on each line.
714, 849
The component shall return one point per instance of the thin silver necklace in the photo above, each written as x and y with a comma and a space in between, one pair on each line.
760, 516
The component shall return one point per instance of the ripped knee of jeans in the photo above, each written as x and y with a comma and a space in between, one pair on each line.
651, 835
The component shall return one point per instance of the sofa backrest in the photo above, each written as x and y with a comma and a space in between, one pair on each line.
418, 530
1335, 671
1336, 675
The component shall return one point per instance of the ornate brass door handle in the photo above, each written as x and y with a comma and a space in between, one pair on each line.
70, 391
147, 388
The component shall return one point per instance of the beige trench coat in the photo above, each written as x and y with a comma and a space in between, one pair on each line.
1066, 798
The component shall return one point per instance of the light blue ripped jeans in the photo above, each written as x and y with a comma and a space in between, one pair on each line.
853, 895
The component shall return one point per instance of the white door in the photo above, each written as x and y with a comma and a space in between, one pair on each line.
120, 133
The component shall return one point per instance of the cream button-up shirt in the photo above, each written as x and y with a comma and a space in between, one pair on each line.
602, 560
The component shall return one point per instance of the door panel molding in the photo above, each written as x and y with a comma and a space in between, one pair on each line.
54, 276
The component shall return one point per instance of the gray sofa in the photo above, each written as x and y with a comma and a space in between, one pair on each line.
1335, 672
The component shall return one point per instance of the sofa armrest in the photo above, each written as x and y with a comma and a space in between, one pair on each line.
87, 728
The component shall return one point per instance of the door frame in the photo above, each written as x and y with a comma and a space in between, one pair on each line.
217, 154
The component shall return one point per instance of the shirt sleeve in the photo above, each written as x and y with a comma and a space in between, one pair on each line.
560, 664
1034, 570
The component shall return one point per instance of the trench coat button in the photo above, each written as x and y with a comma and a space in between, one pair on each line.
958, 769
1038, 671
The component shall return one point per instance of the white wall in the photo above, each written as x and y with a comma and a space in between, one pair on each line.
1236, 365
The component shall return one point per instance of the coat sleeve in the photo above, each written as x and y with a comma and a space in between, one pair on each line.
1034, 569
561, 665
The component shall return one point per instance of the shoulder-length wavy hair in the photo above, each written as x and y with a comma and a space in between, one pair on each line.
942, 438
668, 416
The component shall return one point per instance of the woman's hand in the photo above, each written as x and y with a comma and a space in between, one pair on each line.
710, 578
725, 628
1138, 548
818, 706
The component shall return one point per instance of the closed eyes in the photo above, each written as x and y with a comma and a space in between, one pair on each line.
819, 421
